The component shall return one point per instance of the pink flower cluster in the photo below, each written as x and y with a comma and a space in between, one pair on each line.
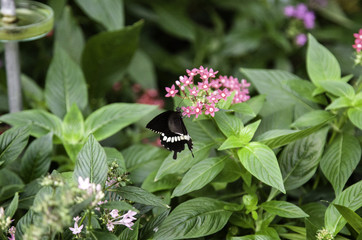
76, 229
358, 41
148, 96
125, 219
301, 12
206, 91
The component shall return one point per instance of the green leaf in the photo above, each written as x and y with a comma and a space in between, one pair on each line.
108, 13
284, 209
168, 182
73, 126
142, 70
113, 117
261, 162
247, 133
340, 102
10, 183
278, 138
24, 222
351, 217
184, 160
256, 103
229, 124
321, 64
243, 108
69, 34
91, 162
140, 195
98, 235
12, 143
231, 142
194, 218
13, 206
351, 198
119, 205
37, 158
253, 237
175, 21
312, 118
41, 122
338, 88
355, 115
299, 159
106, 57
64, 84
274, 84
231, 172
143, 160
340, 160
199, 175
113, 155
149, 228
34, 95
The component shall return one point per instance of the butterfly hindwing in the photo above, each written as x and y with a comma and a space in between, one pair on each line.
172, 130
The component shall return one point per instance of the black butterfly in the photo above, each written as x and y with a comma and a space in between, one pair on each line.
172, 130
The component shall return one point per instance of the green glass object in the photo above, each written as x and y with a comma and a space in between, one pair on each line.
33, 20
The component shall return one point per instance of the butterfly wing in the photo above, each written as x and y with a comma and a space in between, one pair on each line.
172, 130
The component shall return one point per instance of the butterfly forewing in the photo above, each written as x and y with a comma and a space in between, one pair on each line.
172, 130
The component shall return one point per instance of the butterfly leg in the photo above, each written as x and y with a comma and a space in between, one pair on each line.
174, 155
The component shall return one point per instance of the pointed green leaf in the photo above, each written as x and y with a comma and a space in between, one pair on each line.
194, 218
261, 162
247, 133
34, 95
299, 159
184, 160
278, 138
148, 229
284, 209
199, 175
229, 124
355, 115
140, 195
351, 198
12, 143
119, 205
256, 103
91, 162
321, 64
73, 126
167, 182
98, 235
108, 13
41, 122
64, 84
338, 88
231, 142
107, 55
340, 102
11, 209
340, 160
111, 118
351, 217
312, 118
37, 158
243, 108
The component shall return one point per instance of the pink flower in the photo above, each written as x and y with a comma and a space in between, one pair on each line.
224, 93
12, 231
300, 10
301, 39
213, 98
204, 85
83, 184
187, 111
185, 80
192, 72
194, 91
77, 229
309, 19
289, 11
171, 92
114, 213
358, 41
211, 109
198, 109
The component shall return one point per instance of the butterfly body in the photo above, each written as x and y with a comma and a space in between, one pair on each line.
172, 130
